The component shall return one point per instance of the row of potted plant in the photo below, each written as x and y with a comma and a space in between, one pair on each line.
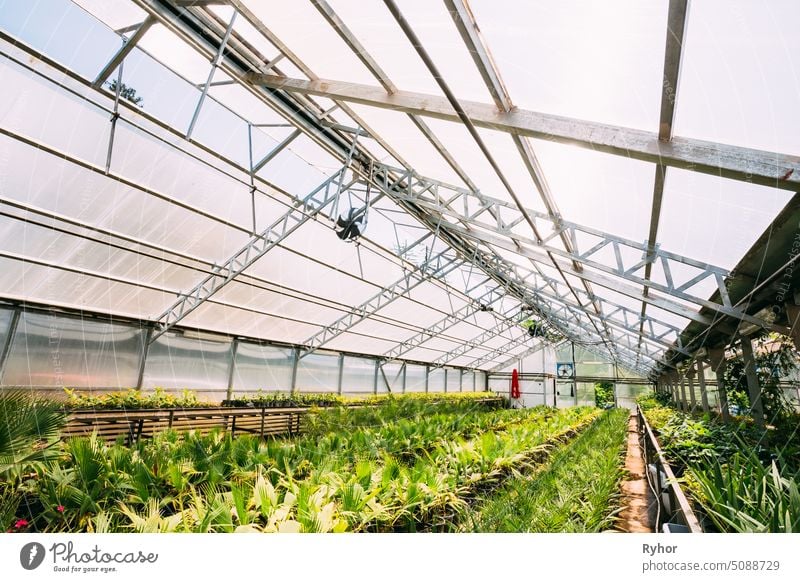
389, 476
743, 479
578, 490
161, 398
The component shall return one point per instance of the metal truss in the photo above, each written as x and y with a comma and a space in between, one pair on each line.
487, 299
437, 266
462, 213
259, 245
618, 316
470, 33
476, 342
505, 349
510, 346
236, 49
560, 309
467, 206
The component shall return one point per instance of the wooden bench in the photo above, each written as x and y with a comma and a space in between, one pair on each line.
133, 425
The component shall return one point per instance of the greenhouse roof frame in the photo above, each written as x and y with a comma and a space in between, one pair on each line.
554, 271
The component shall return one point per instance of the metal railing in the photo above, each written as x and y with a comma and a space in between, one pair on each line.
675, 511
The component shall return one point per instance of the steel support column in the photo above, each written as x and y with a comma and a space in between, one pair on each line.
753, 387
701, 379
690, 385
684, 399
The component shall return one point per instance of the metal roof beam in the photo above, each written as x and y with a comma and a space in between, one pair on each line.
677, 20
127, 46
728, 161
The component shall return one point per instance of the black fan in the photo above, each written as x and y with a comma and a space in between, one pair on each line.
350, 227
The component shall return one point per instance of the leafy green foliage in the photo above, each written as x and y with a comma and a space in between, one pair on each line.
407, 475
604, 394
28, 426
745, 480
540, 328
746, 495
126, 92
576, 491
776, 358
132, 398
160, 398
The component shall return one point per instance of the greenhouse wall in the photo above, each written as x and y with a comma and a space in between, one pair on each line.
53, 350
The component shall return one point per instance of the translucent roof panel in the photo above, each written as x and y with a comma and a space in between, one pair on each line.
67, 122
739, 82
405, 137
178, 196
375, 28
312, 39
600, 61
610, 193
62, 30
434, 26
165, 46
713, 219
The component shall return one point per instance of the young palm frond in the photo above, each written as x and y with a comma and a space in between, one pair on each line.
28, 425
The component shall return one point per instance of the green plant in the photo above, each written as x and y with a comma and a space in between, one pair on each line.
126, 92
28, 426
537, 328
576, 490
391, 475
604, 394
775, 358
133, 398
746, 495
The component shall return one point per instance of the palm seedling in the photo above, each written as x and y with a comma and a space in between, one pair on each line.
28, 428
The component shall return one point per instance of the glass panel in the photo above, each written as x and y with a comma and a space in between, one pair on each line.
55, 351
62, 120
453, 380
713, 219
394, 375
318, 372
499, 384
5, 323
164, 94
415, 378
436, 380
63, 31
611, 51
586, 394
115, 14
628, 393
175, 362
262, 367
358, 375
480, 381
536, 392
739, 75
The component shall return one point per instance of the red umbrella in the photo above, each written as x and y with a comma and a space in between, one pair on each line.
515, 384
